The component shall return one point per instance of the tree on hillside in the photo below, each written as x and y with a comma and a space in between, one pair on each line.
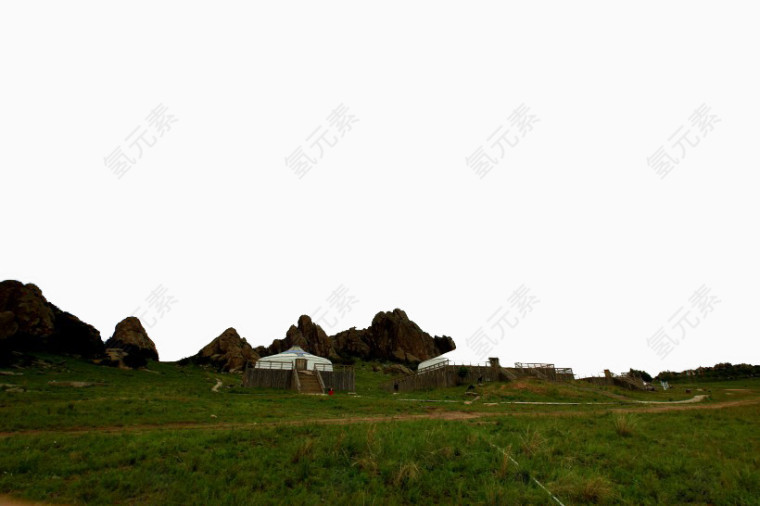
723, 370
641, 374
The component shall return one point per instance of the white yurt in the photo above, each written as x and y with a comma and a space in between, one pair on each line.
287, 360
440, 360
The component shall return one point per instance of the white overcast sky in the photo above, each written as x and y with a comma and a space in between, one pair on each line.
211, 212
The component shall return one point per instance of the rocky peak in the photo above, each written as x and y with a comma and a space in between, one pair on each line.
308, 335
392, 336
228, 352
131, 337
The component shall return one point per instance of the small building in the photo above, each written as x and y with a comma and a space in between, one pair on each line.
295, 358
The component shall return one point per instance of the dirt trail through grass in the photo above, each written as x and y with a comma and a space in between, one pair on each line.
696, 398
434, 415
12, 501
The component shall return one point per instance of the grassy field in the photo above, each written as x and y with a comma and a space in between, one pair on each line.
162, 436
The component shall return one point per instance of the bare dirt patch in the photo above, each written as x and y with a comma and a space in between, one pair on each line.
74, 384
12, 501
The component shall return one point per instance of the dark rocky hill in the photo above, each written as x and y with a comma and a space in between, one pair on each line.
28, 322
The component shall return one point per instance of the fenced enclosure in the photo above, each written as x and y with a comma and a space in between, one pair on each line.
446, 374
443, 375
285, 377
341, 378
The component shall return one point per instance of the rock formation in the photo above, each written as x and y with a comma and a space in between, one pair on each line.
308, 335
228, 352
392, 336
33, 318
131, 337
397, 369
28, 322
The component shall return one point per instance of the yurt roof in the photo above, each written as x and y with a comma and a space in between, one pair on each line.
432, 361
290, 356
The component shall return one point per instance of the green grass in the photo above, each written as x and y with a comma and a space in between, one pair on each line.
242, 447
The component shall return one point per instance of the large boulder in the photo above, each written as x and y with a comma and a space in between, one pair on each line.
131, 337
392, 336
33, 319
308, 335
228, 352
28, 322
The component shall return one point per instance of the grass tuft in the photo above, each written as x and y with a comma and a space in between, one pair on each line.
504, 464
406, 475
584, 490
596, 490
304, 450
624, 425
532, 442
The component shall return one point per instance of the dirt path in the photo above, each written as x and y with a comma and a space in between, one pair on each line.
436, 415
696, 398
12, 501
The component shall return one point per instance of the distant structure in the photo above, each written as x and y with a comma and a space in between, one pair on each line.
624, 380
441, 372
543, 371
296, 369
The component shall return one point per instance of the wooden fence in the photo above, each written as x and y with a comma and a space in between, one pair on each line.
543, 371
269, 378
441, 376
341, 378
